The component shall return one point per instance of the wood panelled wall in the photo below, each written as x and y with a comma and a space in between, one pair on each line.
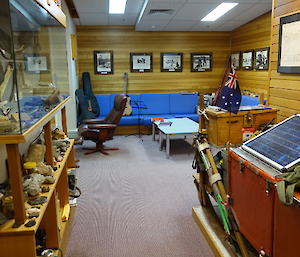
253, 35
284, 91
125, 40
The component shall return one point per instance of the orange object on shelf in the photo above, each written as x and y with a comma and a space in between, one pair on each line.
155, 119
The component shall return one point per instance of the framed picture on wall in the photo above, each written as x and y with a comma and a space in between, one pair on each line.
141, 62
36, 63
247, 60
201, 62
289, 44
262, 58
235, 59
171, 62
103, 62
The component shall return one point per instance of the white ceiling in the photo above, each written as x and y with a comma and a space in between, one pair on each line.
185, 16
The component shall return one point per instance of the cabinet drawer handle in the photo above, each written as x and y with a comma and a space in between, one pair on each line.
233, 121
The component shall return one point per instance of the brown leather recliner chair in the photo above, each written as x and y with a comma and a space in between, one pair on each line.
101, 130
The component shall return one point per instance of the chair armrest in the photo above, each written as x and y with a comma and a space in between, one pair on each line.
93, 121
102, 126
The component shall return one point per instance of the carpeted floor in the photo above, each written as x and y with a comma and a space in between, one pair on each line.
135, 202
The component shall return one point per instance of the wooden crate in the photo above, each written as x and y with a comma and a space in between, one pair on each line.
218, 125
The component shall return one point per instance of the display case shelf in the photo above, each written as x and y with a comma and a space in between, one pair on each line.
57, 234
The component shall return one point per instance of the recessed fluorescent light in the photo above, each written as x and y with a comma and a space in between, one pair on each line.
117, 6
219, 11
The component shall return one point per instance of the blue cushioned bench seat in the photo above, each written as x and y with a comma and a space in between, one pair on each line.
166, 106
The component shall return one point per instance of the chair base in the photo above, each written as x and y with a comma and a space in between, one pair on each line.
100, 148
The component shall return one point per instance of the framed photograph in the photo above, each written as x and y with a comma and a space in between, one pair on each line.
262, 58
141, 62
103, 62
247, 60
171, 62
201, 62
37, 63
235, 60
289, 44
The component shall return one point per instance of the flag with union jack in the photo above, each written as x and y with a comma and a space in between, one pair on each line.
230, 98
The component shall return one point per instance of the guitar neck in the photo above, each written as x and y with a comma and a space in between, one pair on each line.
125, 87
125, 83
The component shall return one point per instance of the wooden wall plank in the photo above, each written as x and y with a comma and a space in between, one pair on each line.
287, 8
285, 111
284, 93
285, 84
253, 35
284, 102
284, 87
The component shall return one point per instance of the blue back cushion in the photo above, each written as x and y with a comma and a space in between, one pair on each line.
156, 103
104, 104
183, 103
249, 100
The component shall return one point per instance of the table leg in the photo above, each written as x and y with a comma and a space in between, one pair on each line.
168, 146
160, 140
153, 131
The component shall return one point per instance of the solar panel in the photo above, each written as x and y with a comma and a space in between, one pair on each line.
278, 146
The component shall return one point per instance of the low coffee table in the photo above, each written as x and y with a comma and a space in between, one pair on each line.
178, 126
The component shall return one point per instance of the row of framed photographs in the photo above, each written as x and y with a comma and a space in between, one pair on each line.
244, 59
142, 62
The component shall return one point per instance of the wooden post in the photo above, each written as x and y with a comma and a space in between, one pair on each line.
201, 116
261, 98
15, 174
64, 120
48, 142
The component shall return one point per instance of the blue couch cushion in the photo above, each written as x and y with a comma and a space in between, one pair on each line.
104, 105
250, 100
192, 116
183, 103
130, 120
156, 104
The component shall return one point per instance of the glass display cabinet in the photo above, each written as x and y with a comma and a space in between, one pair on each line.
33, 63
33, 88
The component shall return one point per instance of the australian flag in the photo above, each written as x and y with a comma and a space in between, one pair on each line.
230, 98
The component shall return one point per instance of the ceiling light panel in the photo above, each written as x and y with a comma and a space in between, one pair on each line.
219, 11
117, 6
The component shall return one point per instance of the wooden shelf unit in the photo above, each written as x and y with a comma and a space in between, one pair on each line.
18, 241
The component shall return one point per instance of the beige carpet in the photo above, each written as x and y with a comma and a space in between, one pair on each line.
135, 202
